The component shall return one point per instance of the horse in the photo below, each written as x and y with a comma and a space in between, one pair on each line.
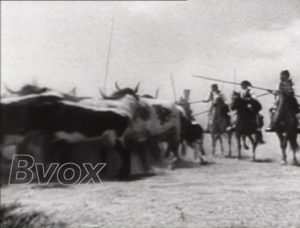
246, 126
220, 121
286, 129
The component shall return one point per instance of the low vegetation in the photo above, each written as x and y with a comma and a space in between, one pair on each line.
12, 217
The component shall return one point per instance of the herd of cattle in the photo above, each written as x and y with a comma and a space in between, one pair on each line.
124, 121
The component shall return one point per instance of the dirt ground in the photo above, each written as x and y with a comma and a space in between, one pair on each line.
225, 193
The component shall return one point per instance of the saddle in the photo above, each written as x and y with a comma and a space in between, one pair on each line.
254, 107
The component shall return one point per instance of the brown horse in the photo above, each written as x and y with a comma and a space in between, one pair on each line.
220, 121
286, 126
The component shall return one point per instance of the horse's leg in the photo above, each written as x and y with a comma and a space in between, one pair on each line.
283, 145
221, 143
201, 147
295, 158
238, 138
254, 144
213, 142
245, 143
200, 151
295, 161
229, 135
294, 146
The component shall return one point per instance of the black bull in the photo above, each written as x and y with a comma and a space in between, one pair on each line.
49, 114
52, 114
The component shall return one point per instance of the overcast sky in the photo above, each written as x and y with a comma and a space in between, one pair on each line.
65, 44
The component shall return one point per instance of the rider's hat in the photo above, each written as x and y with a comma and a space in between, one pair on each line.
214, 86
285, 72
246, 83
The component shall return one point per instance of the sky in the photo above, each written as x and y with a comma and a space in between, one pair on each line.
65, 44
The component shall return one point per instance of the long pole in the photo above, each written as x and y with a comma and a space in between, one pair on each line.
234, 78
263, 94
173, 86
201, 101
108, 53
200, 113
234, 83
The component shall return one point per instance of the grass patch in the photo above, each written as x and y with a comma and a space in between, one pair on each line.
12, 217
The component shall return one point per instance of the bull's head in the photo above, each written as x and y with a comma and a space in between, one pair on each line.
121, 92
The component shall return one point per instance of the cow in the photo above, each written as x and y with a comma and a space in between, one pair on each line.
191, 131
154, 120
151, 120
49, 112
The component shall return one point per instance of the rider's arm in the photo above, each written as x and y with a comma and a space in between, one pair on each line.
253, 94
209, 98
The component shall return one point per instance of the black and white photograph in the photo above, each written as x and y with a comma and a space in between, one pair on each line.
150, 114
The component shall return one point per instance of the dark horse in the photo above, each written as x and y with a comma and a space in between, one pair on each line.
246, 125
220, 121
286, 127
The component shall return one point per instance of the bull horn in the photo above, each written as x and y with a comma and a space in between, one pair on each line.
73, 91
157, 92
137, 87
102, 94
117, 85
10, 90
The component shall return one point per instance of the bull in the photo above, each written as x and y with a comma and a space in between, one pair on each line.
49, 112
153, 120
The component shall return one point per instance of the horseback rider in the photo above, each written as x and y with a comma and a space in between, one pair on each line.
254, 105
214, 94
248, 94
285, 87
